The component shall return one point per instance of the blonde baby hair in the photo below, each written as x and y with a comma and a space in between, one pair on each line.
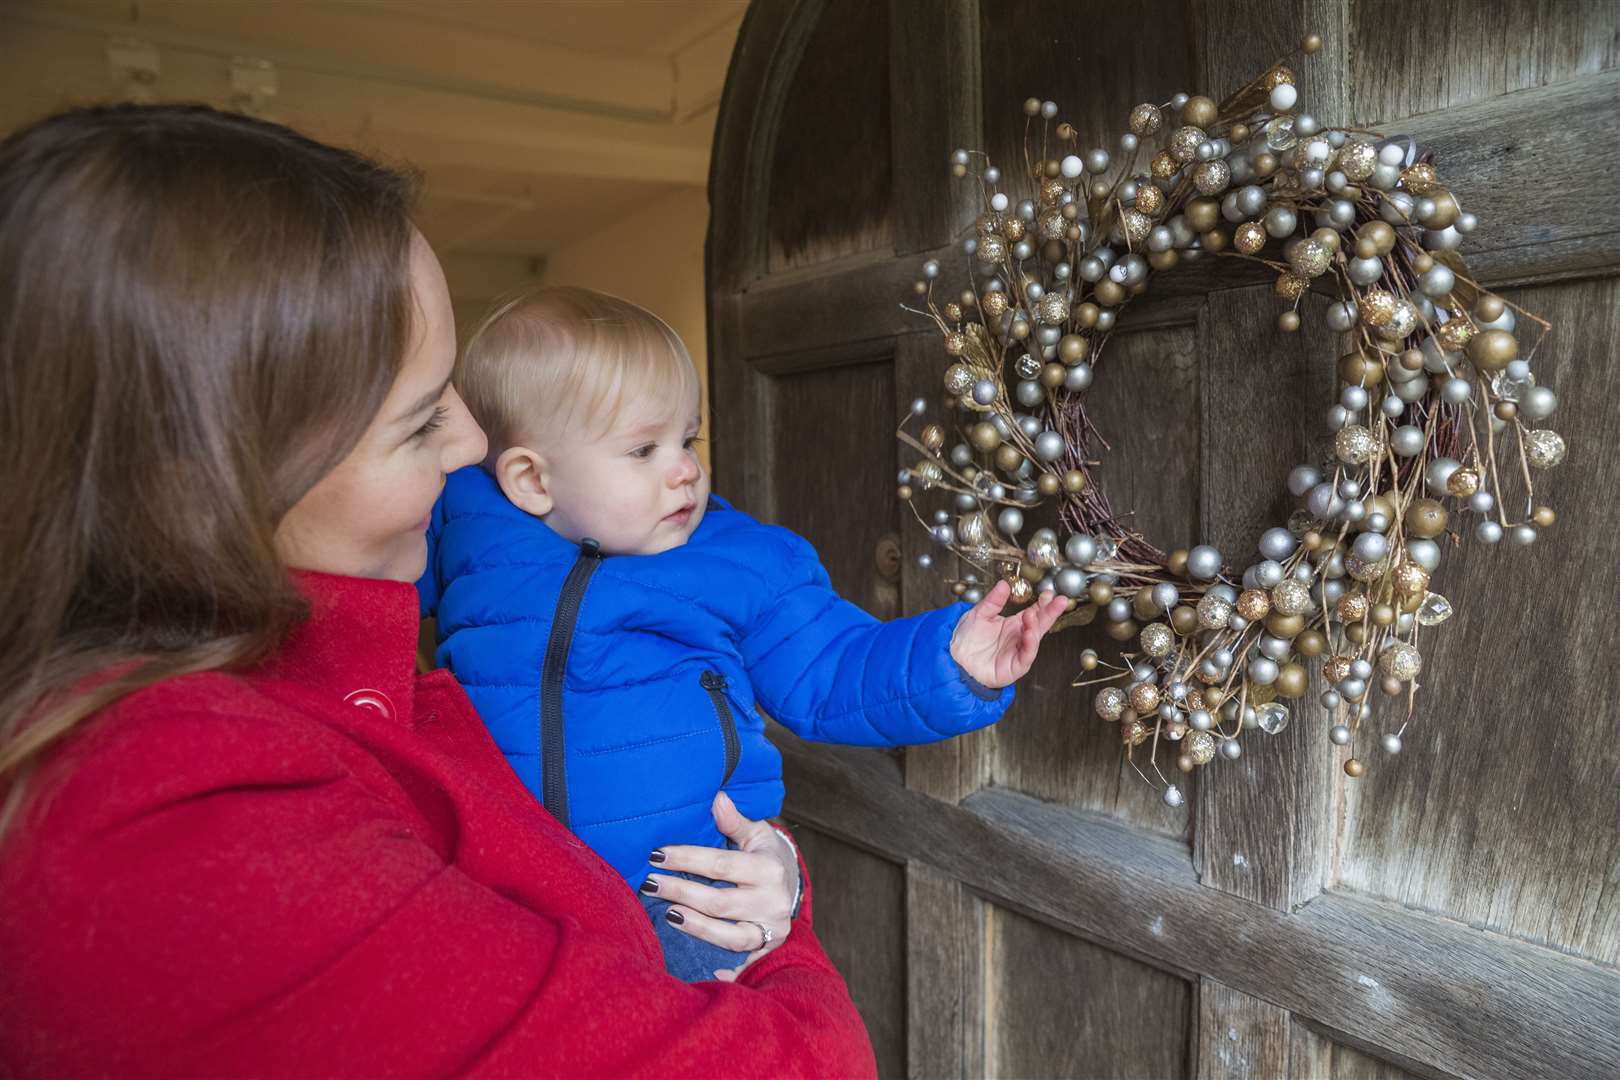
554, 359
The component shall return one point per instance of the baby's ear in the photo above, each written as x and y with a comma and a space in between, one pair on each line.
522, 475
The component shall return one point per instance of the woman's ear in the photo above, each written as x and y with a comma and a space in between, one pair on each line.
521, 473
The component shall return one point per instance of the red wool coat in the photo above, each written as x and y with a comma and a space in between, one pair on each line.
324, 867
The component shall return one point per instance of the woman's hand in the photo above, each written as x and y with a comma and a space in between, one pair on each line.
998, 649
765, 870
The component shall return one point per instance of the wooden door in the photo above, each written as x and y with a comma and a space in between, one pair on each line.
1017, 902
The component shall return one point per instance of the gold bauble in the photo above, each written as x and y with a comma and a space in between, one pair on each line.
1410, 580
1149, 199
1135, 225
1157, 639
1134, 733
959, 379
1052, 375
1379, 238
1336, 668
1403, 319
1212, 177
1358, 160
1401, 661
1052, 309
1164, 166
1363, 569
1377, 307
995, 304
1110, 703
1074, 481
1353, 607
953, 313
1354, 769
1052, 224
1310, 258
1489, 307
1052, 190
984, 436
1048, 484
1008, 459
1203, 214
1199, 111
1446, 211
955, 342
1122, 631
1183, 619
1455, 334
1013, 228
1284, 626
1420, 179
1493, 350
1426, 518
1200, 747
1214, 611
1184, 143
1354, 444
1279, 76
1292, 681
1290, 597
1249, 237
1462, 483
1291, 286
1072, 348
1253, 604
1311, 643
1109, 292
933, 436
1146, 119
1545, 516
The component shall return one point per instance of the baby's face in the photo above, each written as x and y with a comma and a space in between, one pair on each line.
638, 489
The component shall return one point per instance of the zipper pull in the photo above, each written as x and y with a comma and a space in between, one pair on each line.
713, 680
590, 548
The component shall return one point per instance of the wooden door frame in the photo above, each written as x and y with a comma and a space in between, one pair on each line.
1294, 962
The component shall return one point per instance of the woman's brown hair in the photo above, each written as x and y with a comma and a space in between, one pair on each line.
198, 310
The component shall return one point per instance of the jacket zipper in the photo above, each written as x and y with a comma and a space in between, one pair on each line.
714, 683
554, 778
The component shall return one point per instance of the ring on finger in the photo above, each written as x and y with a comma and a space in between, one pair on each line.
766, 934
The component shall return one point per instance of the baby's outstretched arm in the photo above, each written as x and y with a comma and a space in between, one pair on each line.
996, 649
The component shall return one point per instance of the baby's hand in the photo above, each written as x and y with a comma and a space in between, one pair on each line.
998, 649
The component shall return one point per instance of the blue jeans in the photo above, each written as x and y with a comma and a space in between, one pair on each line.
688, 958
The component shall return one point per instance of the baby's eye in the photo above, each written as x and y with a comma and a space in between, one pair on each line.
692, 440
434, 423
644, 452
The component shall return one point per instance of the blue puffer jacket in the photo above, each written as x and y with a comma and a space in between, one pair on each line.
626, 690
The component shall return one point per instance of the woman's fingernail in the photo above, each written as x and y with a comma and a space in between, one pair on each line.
650, 887
675, 917
657, 856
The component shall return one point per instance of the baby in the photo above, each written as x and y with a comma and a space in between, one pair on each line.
622, 632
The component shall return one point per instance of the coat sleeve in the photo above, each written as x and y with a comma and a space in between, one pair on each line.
831, 672
267, 913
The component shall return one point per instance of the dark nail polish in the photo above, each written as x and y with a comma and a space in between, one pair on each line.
674, 917
657, 856
650, 887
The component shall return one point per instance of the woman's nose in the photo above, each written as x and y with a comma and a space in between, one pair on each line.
469, 443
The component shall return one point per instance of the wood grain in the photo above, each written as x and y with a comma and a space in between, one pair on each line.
1265, 821
1145, 401
944, 980
1454, 52
861, 920
1241, 1037
934, 97
831, 183
1064, 1007
1431, 991
1501, 809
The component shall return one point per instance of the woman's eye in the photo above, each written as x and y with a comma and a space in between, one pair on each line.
434, 423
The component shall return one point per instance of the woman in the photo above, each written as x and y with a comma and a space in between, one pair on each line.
240, 834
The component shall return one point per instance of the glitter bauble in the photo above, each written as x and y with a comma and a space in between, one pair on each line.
1134, 733
1291, 597
1411, 579
1454, 334
1052, 309
1164, 166
1185, 142
994, 304
1200, 746
1401, 661
1214, 611
1110, 703
1363, 569
1052, 225
1353, 607
1311, 258
1291, 286
1249, 237
1279, 76
1013, 229
1403, 319
1022, 591
1358, 160
992, 249
959, 380
1253, 604
1157, 639
1135, 225
1335, 669
1146, 119
973, 529
1544, 448
1212, 177
955, 342
1421, 179
1144, 697
1149, 199
1376, 307
1051, 191
1462, 483
1354, 444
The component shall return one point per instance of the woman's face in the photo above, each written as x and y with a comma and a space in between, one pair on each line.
369, 516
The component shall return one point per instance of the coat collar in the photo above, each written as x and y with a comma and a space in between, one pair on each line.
358, 644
